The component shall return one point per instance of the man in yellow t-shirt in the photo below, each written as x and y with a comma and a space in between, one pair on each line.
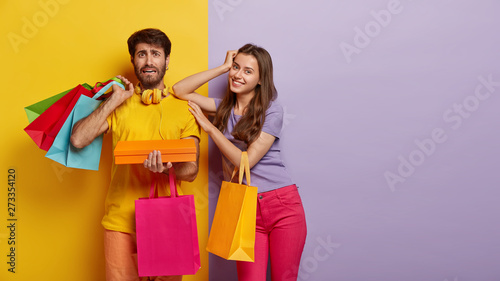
129, 116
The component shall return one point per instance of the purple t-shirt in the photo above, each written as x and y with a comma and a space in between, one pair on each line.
270, 172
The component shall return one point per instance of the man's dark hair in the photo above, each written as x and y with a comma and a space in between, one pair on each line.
150, 36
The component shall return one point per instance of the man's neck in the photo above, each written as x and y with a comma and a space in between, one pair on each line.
159, 86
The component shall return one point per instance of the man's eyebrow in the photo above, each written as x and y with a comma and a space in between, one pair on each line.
152, 50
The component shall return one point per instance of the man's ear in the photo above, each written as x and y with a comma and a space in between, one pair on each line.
132, 59
167, 60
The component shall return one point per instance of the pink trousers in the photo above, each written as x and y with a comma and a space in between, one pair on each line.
280, 234
120, 251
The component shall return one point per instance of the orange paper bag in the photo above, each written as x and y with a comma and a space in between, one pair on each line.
232, 235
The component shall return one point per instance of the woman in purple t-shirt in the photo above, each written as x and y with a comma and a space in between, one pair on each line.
248, 119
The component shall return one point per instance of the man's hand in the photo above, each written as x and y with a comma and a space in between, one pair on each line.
119, 95
154, 163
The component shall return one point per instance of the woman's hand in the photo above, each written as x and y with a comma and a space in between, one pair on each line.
228, 63
202, 120
154, 163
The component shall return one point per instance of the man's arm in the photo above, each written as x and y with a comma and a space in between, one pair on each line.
185, 171
90, 127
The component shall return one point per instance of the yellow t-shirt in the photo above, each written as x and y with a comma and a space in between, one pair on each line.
134, 120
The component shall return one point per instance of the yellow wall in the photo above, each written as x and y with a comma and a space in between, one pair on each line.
48, 46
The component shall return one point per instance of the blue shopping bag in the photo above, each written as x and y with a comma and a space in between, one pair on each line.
63, 151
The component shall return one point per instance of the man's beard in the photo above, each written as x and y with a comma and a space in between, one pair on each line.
150, 81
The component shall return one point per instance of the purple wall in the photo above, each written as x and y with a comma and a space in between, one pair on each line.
391, 131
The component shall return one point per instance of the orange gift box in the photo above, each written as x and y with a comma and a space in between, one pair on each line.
135, 152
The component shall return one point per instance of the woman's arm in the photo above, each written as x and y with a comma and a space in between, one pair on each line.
185, 89
256, 150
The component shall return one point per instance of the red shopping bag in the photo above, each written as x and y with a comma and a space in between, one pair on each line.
167, 236
44, 129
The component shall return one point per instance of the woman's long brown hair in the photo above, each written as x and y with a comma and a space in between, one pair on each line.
250, 124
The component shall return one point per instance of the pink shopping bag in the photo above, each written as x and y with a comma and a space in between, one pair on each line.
167, 236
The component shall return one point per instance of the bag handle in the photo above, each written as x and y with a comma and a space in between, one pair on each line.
106, 88
153, 191
244, 168
99, 85
172, 183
